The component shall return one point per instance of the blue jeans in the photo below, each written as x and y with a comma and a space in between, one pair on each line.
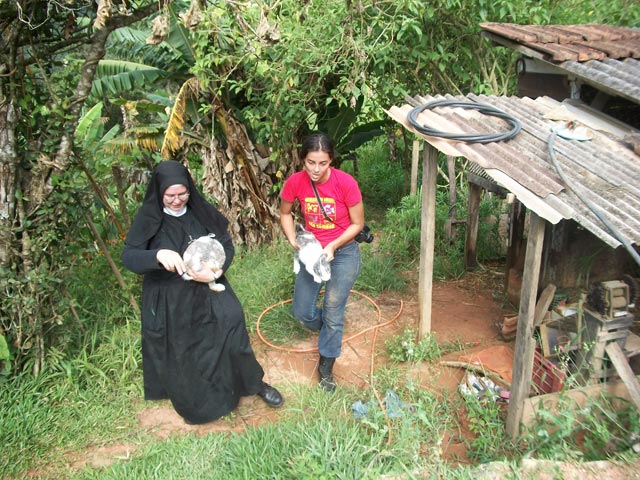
328, 319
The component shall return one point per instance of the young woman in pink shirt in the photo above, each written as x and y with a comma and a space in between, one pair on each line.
335, 221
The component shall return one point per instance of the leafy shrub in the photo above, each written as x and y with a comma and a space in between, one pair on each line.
486, 421
604, 425
381, 180
404, 348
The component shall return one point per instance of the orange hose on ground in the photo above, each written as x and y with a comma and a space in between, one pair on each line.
362, 332
345, 340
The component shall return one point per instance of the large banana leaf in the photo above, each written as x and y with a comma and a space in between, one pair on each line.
114, 77
88, 127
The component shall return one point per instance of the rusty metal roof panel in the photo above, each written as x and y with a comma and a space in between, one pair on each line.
622, 77
603, 170
604, 56
604, 40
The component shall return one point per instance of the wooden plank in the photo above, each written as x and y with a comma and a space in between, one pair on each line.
617, 357
415, 160
487, 184
632, 346
523, 355
427, 237
451, 172
544, 341
578, 397
473, 215
546, 297
604, 336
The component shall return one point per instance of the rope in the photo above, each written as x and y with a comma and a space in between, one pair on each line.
465, 137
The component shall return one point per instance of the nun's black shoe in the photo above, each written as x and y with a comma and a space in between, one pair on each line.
270, 395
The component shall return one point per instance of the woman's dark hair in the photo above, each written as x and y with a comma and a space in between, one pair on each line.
316, 142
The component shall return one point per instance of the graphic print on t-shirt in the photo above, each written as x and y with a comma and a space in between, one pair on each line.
315, 216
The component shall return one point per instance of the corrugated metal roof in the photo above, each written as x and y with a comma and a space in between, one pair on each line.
603, 56
603, 170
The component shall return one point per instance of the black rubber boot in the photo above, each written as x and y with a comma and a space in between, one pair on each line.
325, 369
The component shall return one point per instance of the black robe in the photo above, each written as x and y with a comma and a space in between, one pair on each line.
195, 346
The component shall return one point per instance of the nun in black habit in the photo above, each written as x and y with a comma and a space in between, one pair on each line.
195, 346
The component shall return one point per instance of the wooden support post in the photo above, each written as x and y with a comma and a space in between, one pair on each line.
471, 242
427, 236
453, 218
523, 354
516, 233
415, 159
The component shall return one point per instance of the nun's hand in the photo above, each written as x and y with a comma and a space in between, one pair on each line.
171, 261
205, 275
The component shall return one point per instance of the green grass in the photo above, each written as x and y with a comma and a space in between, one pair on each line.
316, 438
44, 417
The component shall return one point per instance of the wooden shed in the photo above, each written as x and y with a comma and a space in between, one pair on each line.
572, 168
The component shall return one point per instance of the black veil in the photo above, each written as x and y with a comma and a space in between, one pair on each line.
149, 216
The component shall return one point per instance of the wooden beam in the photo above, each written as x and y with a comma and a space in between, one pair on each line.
488, 185
473, 214
619, 360
415, 160
523, 354
427, 236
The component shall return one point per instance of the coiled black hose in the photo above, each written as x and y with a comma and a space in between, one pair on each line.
465, 137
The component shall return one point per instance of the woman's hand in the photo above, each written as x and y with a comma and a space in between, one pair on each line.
330, 250
171, 261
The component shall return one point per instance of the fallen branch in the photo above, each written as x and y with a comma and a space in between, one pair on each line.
478, 369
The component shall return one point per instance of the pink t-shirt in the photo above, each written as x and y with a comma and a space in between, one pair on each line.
338, 193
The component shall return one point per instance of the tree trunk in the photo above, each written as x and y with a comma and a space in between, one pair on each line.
28, 309
7, 177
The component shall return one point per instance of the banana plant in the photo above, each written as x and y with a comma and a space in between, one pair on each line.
133, 63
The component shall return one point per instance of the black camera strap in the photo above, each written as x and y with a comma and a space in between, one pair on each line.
315, 190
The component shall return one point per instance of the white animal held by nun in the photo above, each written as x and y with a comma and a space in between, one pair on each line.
205, 252
311, 255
